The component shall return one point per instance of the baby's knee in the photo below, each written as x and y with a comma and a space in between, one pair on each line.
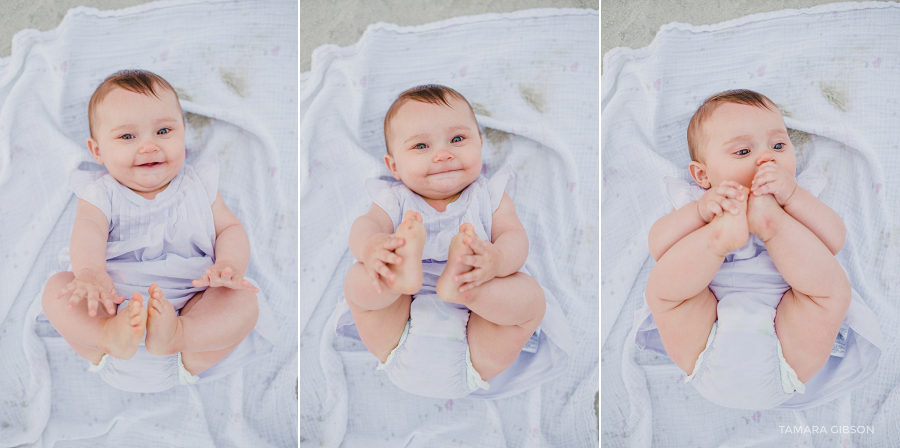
55, 284
252, 305
503, 354
355, 280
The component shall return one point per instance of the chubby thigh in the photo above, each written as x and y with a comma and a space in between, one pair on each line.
807, 329
684, 327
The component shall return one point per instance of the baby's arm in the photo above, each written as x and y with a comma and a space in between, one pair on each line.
232, 251
87, 252
671, 228
808, 210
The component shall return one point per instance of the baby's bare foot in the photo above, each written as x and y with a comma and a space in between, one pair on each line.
763, 213
123, 332
730, 232
163, 325
448, 288
409, 271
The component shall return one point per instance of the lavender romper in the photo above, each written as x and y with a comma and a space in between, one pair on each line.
170, 241
432, 357
742, 365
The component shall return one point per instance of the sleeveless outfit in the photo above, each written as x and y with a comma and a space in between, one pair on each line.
432, 357
169, 240
743, 365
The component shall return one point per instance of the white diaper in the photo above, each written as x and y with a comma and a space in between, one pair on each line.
432, 358
144, 372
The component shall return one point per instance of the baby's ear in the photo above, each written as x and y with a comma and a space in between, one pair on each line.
94, 148
391, 166
698, 172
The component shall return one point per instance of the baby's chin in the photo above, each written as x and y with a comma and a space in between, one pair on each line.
439, 192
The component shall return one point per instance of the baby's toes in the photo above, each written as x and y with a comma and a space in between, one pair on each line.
412, 215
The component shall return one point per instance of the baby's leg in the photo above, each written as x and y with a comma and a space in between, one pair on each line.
211, 325
505, 310
810, 314
505, 313
380, 318
118, 335
678, 294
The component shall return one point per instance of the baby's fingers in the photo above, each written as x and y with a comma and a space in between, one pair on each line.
248, 285
66, 289
109, 305
714, 208
730, 206
93, 301
374, 277
77, 296
393, 243
384, 271
106, 299
203, 280
468, 277
758, 184
476, 244
389, 257
472, 260
730, 189
767, 188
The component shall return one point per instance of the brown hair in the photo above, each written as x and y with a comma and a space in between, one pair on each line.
137, 81
427, 93
740, 96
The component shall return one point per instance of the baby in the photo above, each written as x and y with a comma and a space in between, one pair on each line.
439, 294
746, 296
152, 224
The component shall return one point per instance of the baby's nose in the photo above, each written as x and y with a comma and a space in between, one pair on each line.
766, 156
149, 146
442, 155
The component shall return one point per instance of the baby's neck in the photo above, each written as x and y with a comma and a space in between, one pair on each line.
151, 195
441, 204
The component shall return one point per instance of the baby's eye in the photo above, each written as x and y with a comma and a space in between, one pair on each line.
126, 136
457, 139
163, 131
778, 146
743, 152
420, 146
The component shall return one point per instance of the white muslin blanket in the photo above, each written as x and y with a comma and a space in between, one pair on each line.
833, 70
531, 77
234, 67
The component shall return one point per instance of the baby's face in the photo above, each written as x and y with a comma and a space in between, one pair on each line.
739, 138
435, 149
139, 139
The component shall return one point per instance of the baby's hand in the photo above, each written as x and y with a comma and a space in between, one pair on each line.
775, 180
721, 199
224, 275
380, 255
485, 262
95, 286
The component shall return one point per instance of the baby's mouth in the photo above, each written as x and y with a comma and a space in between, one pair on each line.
445, 171
149, 165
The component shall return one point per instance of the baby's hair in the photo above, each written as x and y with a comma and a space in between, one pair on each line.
137, 81
740, 96
427, 93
